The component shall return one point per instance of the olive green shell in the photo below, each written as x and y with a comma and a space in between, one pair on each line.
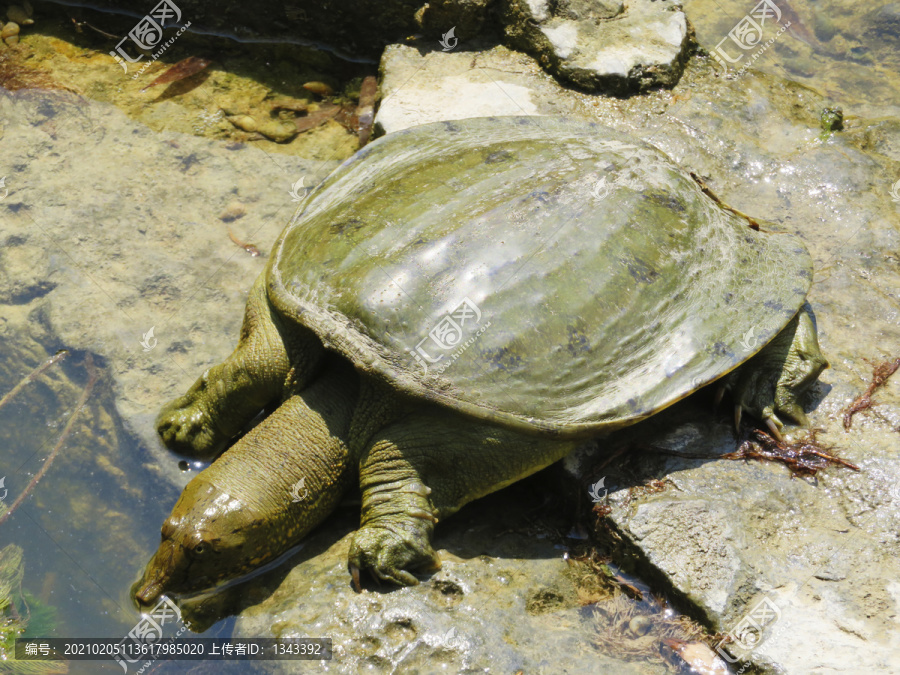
547, 274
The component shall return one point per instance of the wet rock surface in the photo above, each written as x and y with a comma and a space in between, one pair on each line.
106, 247
505, 600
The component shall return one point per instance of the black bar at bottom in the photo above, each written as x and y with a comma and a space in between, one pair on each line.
130, 650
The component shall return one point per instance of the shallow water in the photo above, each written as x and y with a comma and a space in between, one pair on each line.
844, 49
92, 522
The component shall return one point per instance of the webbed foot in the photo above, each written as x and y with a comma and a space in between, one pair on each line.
390, 550
769, 386
186, 426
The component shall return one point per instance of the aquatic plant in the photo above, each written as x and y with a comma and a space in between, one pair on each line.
22, 615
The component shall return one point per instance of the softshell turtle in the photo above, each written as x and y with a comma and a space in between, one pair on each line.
456, 307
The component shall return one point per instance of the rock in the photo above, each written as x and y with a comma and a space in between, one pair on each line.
10, 33
603, 46
504, 601
280, 132
319, 88
243, 122
445, 86
640, 625
233, 211
19, 15
885, 23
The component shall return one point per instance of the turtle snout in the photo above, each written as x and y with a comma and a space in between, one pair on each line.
158, 576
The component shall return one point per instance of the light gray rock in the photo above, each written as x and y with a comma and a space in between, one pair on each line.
608, 46
455, 85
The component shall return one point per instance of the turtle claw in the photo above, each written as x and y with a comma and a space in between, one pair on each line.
354, 574
720, 392
775, 425
738, 410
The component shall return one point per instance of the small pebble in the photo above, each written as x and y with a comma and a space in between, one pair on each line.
244, 122
233, 211
319, 88
278, 131
640, 625
9, 30
292, 104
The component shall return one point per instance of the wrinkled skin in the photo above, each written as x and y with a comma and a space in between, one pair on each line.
415, 463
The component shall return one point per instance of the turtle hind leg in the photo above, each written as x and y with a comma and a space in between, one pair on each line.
272, 359
770, 385
423, 467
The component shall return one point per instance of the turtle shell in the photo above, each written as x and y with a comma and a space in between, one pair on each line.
547, 274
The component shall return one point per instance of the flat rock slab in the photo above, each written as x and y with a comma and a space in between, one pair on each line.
418, 89
505, 601
813, 562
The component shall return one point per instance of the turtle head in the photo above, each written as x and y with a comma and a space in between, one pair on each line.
209, 538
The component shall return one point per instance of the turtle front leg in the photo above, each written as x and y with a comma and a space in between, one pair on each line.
271, 355
772, 382
425, 467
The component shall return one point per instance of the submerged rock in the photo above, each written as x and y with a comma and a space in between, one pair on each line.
126, 252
